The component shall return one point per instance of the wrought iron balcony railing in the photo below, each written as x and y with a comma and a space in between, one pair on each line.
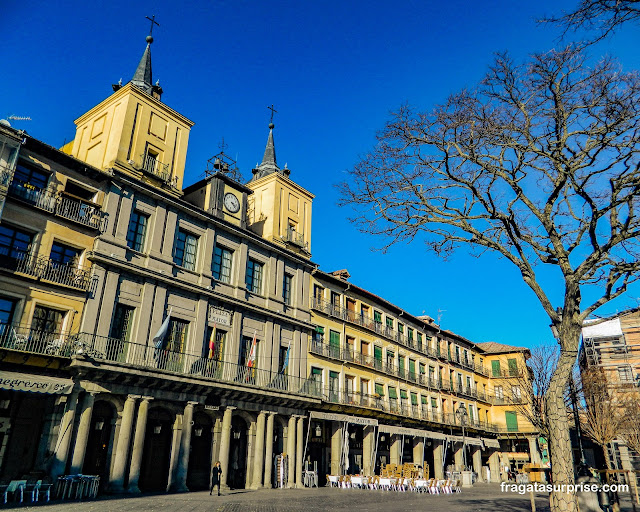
295, 238
46, 269
67, 207
157, 169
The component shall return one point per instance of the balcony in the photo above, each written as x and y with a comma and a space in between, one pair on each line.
150, 165
295, 238
511, 373
24, 338
47, 270
70, 208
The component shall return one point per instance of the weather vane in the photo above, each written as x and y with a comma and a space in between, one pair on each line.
273, 111
222, 146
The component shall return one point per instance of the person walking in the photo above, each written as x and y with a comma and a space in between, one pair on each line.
216, 474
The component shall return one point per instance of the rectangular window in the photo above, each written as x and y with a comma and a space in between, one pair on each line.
47, 320
318, 293
516, 392
218, 344
390, 359
63, 254
7, 308
221, 267
499, 392
364, 348
185, 250
28, 184
457, 353
401, 364
414, 398
335, 299
466, 357
513, 367
15, 244
334, 343
122, 322
389, 323
392, 393
379, 389
377, 356
33, 177
245, 351
410, 334
286, 289
377, 317
364, 386
420, 340
177, 336
137, 231
400, 328
511, 419
468, 382
334, 380
403, 394
434, 404
412, 368
254, 276
495, 368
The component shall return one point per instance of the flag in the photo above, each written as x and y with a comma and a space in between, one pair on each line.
158, 339
286, 359
212, 341
252, 353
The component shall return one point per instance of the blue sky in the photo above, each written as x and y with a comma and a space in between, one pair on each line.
333, 70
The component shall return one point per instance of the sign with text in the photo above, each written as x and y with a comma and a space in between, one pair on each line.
221, 317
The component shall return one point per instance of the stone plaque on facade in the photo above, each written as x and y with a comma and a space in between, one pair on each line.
221, 317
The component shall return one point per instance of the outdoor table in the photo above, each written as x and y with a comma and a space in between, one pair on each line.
360, 481
387, 483
420, 484
334, 480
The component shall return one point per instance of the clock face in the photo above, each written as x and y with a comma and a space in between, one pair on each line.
231, 203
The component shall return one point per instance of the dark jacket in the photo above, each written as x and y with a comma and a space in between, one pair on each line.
216, 473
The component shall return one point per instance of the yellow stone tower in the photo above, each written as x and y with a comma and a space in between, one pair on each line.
133, 131
279, 209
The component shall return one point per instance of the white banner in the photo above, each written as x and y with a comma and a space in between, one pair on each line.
394, 429
35, 383
333, 416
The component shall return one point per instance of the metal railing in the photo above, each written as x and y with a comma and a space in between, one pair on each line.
511, 373
151, 165
400, 407
147, 356
46, 269
25, 338
69, 208
295, 238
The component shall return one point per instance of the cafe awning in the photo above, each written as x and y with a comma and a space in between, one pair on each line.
35, 383
491, 443
334, 416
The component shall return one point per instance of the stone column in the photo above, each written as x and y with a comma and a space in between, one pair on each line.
258, 457
438, 467
367, 451
61, 454
116, 482
300, 452
494, 466
458, 457
477, 462
291, 451
185, 445
225, 442
268, 457
138, 444
82, 436
336, 448
418, 451
395, 448
533, 450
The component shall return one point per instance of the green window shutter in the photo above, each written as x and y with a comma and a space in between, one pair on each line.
392, 393
400, 328
414, 399
410, 333
390, 323
401, 363
513, 367
434, 403
424, 400
511, 419
379, 389
316, 371
334, 375
403, 394
377, 353
377, 317
319, 330
334, 339
420, 338
412, 366
495, 368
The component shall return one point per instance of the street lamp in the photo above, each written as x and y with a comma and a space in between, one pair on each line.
462, 415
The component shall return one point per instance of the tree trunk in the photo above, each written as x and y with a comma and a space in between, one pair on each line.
559, 441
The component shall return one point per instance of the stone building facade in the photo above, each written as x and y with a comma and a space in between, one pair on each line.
149, 329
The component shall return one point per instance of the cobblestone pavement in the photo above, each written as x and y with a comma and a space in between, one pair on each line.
481, 498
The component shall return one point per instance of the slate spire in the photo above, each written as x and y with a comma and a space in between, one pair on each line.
142, 76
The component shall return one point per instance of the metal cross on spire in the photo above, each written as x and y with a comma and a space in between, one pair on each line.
153, 22
273, 111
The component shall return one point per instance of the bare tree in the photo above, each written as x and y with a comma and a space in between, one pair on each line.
602, 16
538, 163
603, 417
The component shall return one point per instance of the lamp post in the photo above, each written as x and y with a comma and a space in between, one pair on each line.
462, 415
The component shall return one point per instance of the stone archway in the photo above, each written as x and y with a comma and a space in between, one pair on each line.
238, 454
200, 452
98, 454
156, 456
